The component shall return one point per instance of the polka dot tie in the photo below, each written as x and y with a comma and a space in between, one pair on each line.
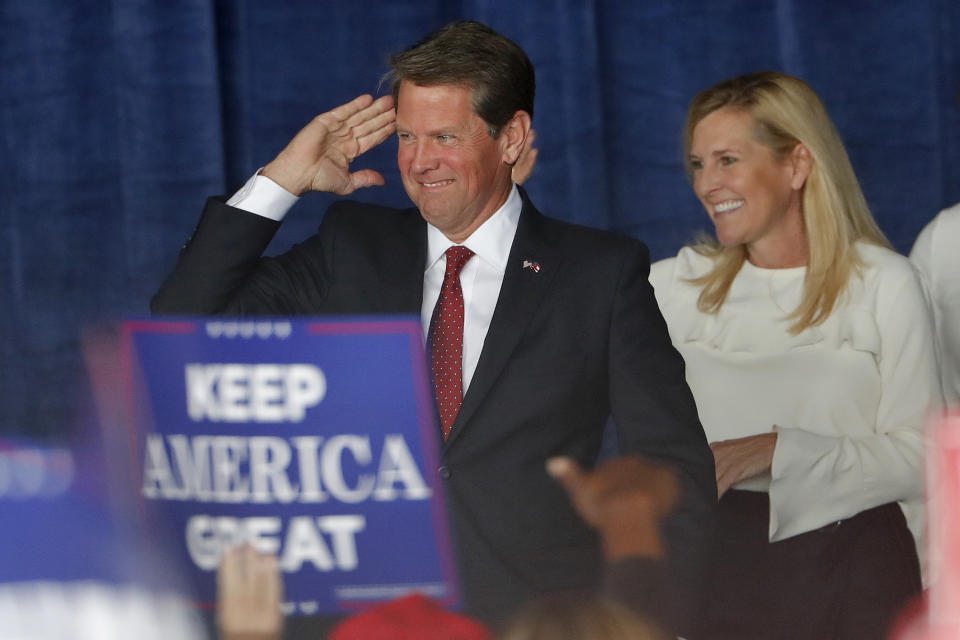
446, 341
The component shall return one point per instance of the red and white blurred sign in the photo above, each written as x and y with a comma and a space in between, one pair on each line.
938, 616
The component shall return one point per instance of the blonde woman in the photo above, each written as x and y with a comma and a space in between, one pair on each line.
809, 351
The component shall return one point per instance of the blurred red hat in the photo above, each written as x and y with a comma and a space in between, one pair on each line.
413, 617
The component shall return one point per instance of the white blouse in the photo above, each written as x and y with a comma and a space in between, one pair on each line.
847, 398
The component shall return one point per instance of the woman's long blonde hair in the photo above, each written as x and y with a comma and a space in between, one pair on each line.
788, 112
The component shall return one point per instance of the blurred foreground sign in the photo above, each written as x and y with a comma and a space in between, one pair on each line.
936, 616
68, 567
313, 440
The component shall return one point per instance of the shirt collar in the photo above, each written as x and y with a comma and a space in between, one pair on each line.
490, 242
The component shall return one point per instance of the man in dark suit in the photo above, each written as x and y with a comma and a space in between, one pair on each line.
547, 328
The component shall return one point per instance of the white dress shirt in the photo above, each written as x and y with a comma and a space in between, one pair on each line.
480, 278
936, 257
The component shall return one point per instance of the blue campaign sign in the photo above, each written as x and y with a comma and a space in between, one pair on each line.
312, 439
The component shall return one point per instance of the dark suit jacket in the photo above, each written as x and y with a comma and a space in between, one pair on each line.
568, 346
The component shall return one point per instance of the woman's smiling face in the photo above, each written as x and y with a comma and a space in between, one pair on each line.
753, 197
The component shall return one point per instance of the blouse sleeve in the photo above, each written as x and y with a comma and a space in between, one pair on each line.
817, 479
661, 277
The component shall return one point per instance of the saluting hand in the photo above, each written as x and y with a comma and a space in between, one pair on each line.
319, 156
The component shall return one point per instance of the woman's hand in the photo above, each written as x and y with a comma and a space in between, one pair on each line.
742, 458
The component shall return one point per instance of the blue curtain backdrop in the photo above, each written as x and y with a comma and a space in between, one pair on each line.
118, 118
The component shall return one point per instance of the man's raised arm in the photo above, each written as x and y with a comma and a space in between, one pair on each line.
219, 269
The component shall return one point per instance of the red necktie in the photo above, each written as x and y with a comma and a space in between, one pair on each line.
446, 340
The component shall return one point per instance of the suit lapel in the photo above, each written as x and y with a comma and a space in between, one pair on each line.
404, 260
522, 292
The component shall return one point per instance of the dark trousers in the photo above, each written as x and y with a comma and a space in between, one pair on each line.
846, 580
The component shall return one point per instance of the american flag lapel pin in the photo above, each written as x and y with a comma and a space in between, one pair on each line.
532, 265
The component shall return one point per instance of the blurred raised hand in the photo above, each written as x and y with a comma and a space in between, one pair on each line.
625, 499
249, 593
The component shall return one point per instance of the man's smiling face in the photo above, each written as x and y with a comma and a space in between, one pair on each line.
452, 169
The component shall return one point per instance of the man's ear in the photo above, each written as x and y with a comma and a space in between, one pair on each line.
801, 161
513, 135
